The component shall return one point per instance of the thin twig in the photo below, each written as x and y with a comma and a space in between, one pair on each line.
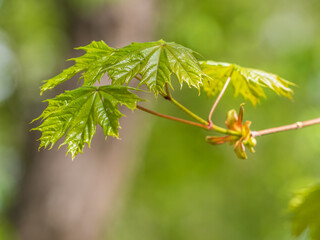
183, 108
219, 98
204, 126
173, 118
202, 123
293, 126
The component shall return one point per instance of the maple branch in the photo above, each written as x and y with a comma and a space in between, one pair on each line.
173, 118
218, 99
293, 126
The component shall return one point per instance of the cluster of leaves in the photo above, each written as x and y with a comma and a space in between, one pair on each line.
154, 61
75, 114
305, 209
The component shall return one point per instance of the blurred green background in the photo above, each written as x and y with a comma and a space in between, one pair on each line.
179, 186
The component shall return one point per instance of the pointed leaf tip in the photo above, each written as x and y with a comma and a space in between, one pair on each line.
92, 65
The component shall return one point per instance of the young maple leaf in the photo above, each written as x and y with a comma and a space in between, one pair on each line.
76, 114
247, 82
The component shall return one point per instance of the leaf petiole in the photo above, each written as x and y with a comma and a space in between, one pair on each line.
219, 98
167, 95
168, 92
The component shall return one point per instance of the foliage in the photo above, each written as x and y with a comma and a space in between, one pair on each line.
305, 208
155, 62
247, 82
76, 113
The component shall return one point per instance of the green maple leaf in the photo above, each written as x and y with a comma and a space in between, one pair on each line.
76, 113
92, 65
247, 82
305, 208
155, 62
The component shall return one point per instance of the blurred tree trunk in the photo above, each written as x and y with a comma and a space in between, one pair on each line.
61, 199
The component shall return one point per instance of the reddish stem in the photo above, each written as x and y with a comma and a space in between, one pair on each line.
293, 126
173, 118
